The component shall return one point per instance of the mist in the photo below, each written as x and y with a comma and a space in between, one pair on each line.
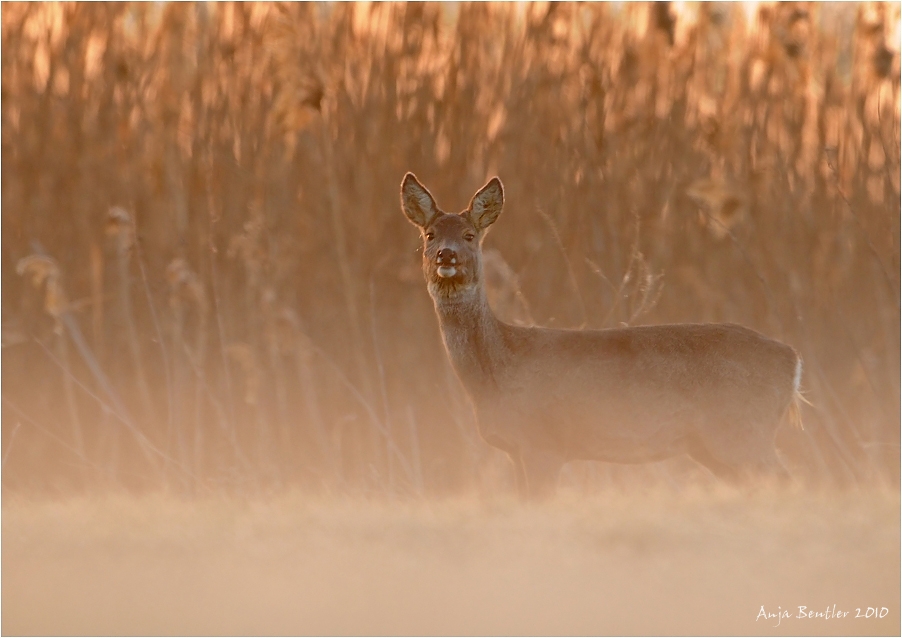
226, 405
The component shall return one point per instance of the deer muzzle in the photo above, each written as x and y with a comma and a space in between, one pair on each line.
446, 263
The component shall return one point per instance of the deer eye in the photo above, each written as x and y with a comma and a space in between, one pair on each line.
430, 236
469, 236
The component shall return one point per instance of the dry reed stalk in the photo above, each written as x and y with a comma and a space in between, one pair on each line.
121, 226
44, 270
330, 453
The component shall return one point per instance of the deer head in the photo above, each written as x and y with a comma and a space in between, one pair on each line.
452, 242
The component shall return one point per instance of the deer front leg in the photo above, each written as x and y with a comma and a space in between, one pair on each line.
540, 472
519, 476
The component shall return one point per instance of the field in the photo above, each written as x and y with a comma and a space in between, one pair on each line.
656, 562
226, 407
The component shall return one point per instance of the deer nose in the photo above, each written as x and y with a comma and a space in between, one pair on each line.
446, 256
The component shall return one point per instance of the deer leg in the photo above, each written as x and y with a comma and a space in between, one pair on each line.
519, 475
770, 466
541, 472
721, 470
764, 463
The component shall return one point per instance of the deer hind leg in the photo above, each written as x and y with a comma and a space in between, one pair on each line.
748, 462
769, 466
724, 471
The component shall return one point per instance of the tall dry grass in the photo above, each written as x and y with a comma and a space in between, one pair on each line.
207, 282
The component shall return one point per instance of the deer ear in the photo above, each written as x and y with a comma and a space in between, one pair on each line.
486, 204
417, 202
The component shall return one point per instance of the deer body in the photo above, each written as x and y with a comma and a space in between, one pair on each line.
716, 392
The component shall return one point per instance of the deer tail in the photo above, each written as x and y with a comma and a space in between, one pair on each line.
795, 411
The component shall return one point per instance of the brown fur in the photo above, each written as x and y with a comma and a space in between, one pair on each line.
716, 392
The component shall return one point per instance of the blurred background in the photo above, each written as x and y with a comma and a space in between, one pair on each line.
208, 284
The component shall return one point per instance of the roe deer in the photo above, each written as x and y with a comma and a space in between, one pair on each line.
717, 392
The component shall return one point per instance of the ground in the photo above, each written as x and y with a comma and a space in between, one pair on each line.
661, 561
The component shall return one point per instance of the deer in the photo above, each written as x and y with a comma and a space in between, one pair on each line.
716, 392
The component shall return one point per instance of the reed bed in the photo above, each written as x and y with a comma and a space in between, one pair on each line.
207, 283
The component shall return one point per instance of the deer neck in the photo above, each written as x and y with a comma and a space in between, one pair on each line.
473, 339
